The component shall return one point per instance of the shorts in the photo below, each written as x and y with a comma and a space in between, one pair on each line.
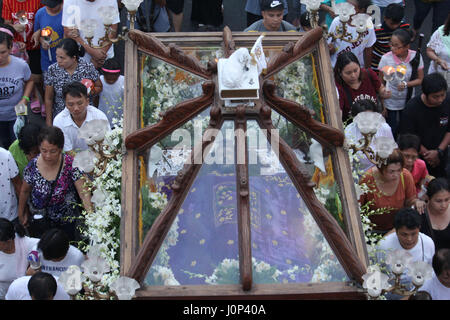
35, 61
176, 6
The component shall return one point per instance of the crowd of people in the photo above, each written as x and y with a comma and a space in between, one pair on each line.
66, 82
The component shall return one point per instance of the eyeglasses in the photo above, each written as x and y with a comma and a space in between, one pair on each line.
395, 46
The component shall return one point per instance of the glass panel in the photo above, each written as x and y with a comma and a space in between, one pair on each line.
287, 244
204, 55
159, 165
202, 245
317, 159
163, 86
299, 82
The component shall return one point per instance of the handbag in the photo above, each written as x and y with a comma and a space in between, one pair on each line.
39, 217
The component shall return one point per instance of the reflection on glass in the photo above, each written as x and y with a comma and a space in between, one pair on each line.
159, 166
298, 82
163, 86
287, 245
204, 55
317, 160
202, 244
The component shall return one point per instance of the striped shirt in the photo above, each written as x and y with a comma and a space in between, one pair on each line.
9, 12
381, 46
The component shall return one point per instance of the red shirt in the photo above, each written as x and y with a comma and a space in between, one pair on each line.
368, 89
9, 12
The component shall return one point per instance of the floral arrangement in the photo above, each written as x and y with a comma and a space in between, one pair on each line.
163, 87
102, 227
296, 83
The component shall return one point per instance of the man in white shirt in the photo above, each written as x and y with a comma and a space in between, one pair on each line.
40, 286
77, 13
362, 48
439, 285
76, 112
57, 253
407, 222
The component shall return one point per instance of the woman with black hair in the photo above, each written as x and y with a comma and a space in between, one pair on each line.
15, 84
355, 83
436, 220
52, 187
14, 248
69, 67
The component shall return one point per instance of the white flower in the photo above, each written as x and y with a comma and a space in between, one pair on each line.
375, 281
311, 5
420, 271
360, 21
344, 10
384, 146
94, 130
398, 260
71, 280
125, 287
94, 268
84, 160
98, 197
368, 121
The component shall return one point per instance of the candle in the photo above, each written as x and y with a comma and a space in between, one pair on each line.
46, 34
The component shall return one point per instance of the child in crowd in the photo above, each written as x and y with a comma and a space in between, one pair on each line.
399, 58
409, 145
111, 97
392, 20
48, 18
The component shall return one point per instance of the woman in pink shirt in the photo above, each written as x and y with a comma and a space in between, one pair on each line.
409, 145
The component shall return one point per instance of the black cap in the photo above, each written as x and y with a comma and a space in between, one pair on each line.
271, 5
51, 3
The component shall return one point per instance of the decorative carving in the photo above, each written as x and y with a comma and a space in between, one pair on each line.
228, 43
171, 54
172, 119
292, 52
163, 222
302, 116
332, 231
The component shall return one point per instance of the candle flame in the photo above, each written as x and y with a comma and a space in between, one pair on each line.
401, 69
46, 32
388, 69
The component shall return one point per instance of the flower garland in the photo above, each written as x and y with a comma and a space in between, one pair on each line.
102, 227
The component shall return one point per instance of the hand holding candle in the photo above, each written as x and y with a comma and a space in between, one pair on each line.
46, 35
388, 74
23, 20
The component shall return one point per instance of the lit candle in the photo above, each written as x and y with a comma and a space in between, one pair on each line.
23, 20
46, 34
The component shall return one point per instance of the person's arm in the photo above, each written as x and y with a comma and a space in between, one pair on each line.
17, 184
17, 26
95, 53
25, 192
98, 87
29, 85
433, 157
48, 100
84, 193
433, 56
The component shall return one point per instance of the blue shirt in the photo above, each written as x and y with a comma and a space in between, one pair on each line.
43, 19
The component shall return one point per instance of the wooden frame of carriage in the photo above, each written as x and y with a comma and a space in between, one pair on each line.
348, 245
